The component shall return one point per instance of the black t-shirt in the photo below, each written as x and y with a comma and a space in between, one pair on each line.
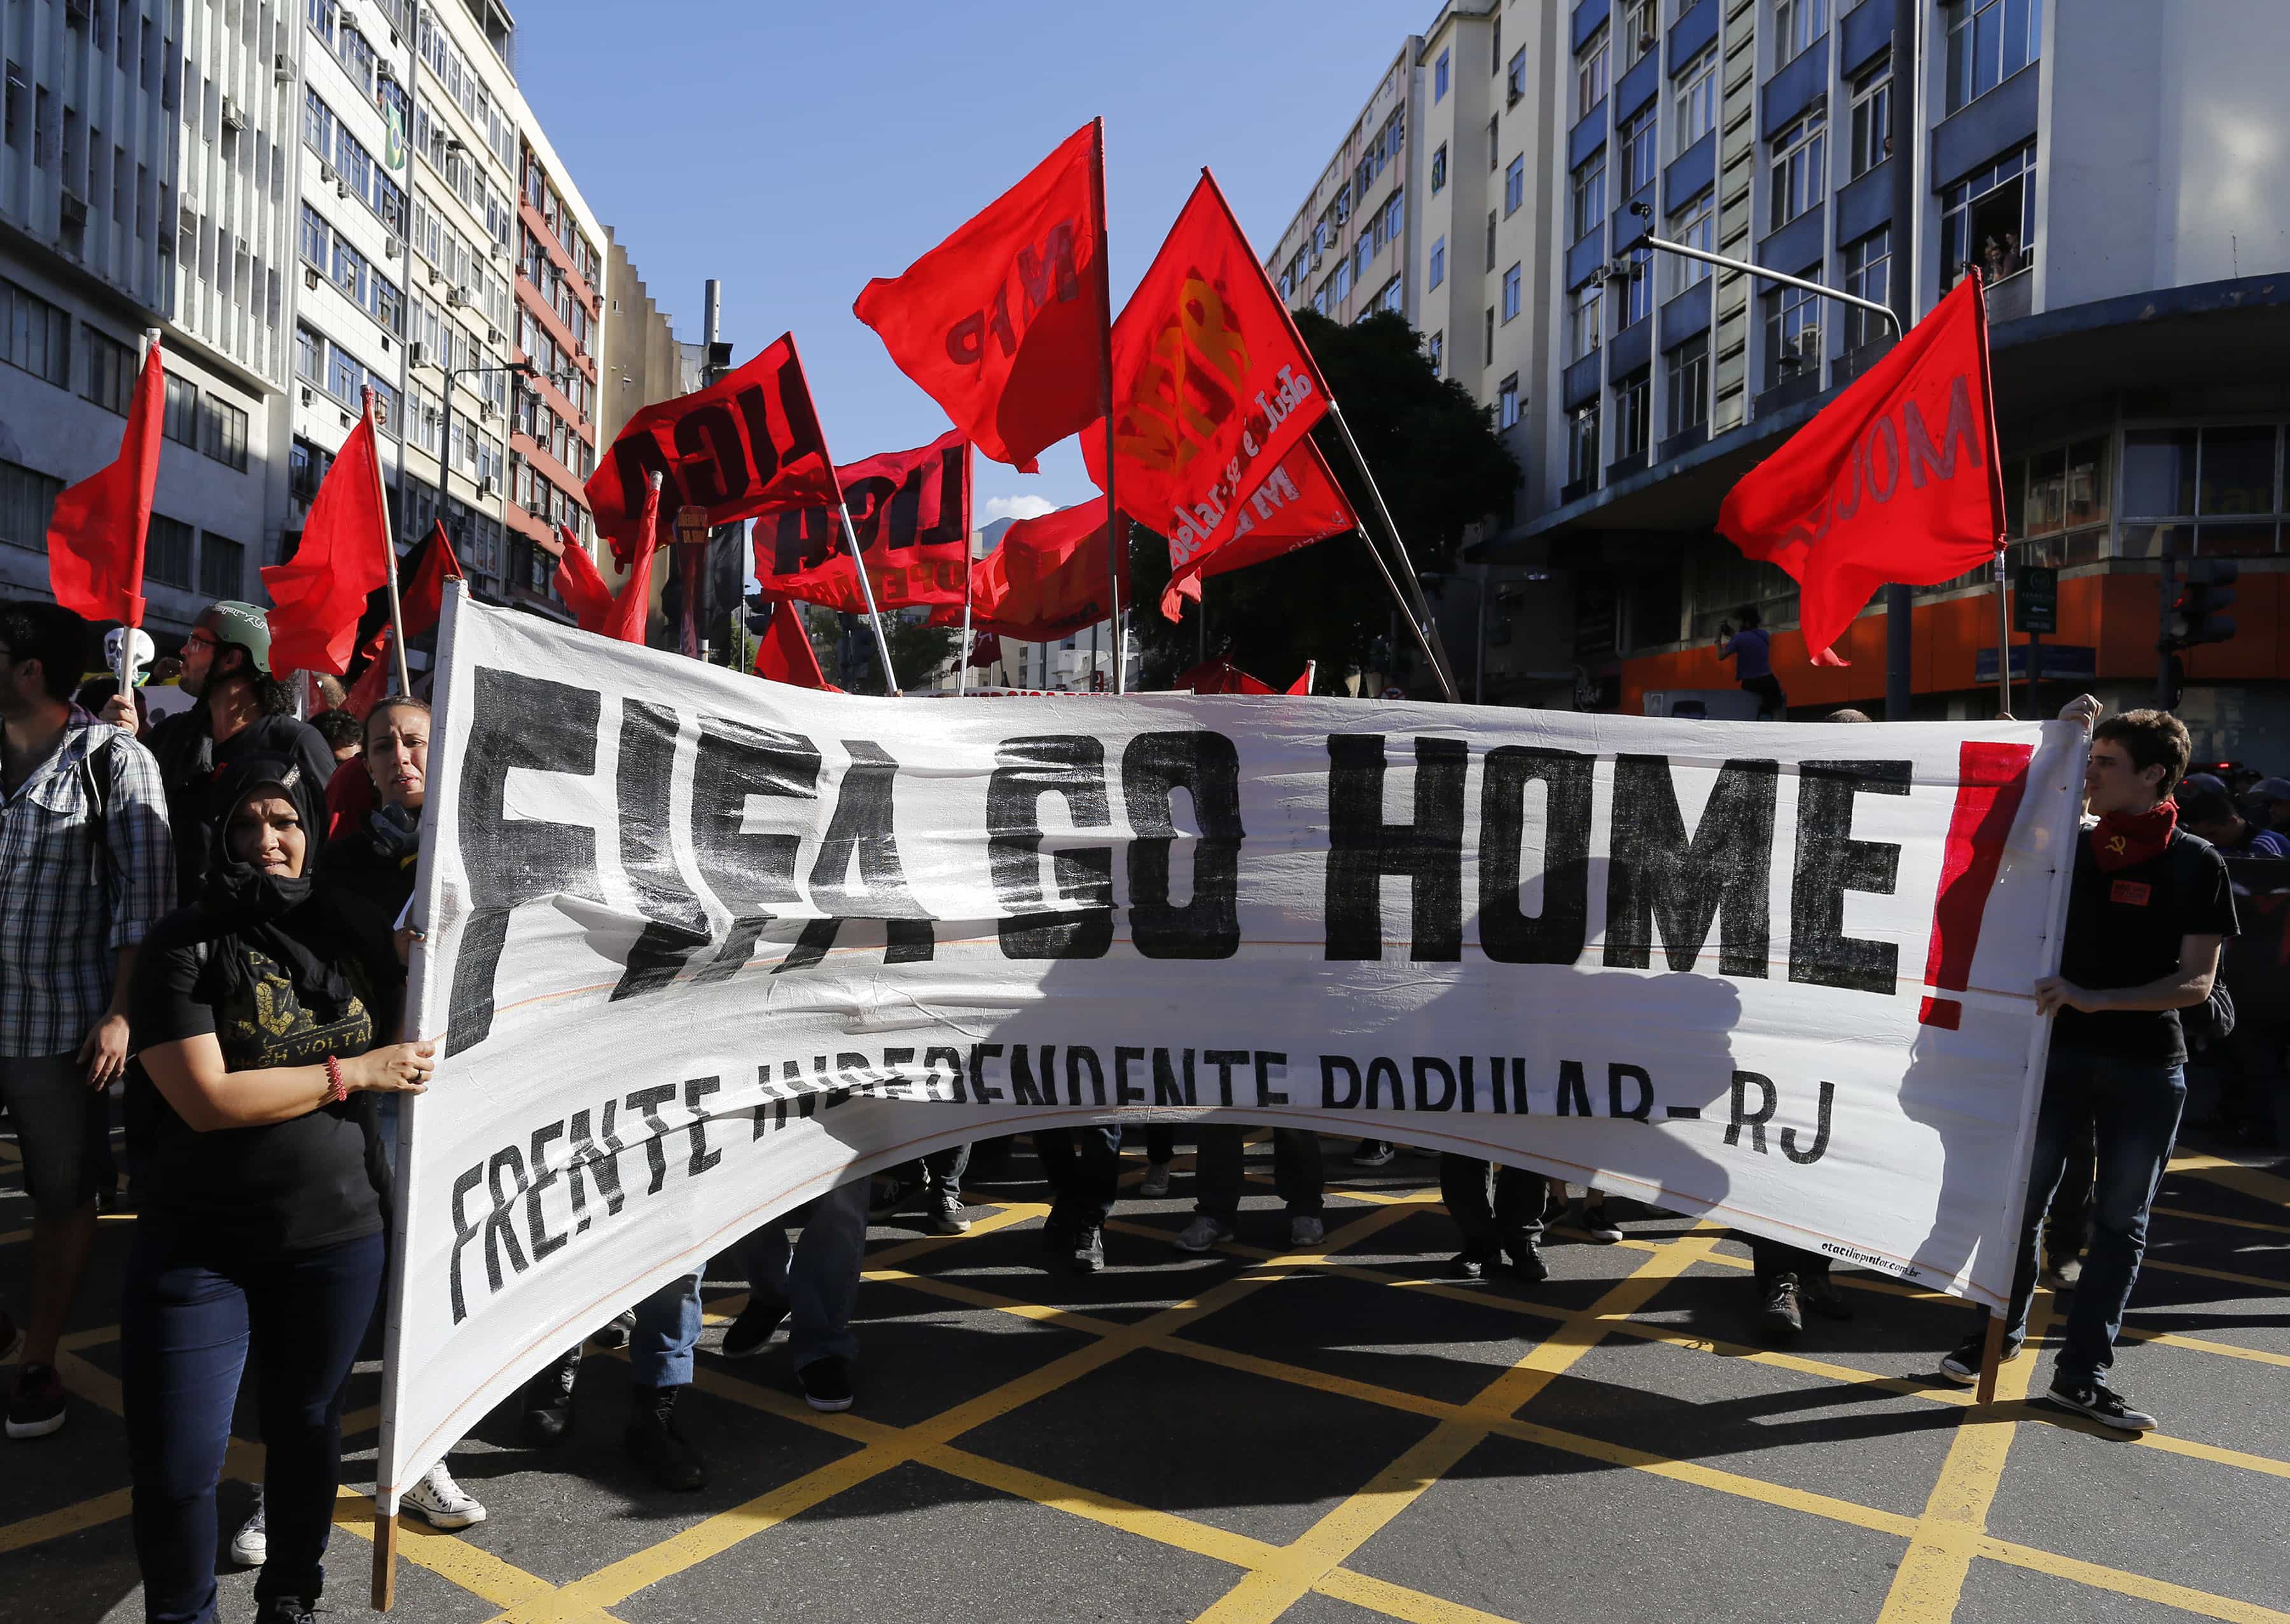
369, 889
189, 762
2124, 930
315, 1181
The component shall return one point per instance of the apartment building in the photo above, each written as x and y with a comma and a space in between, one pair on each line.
644, 363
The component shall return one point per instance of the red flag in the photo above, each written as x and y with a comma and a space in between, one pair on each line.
910, 511
745, 445
579, 582
1896, 481
785, 654
1212, 384
1304, 685
345, 554
633, 607
95, 537
1220, 677
1047, 580
1004, 323
1298, 503
374, 686
423, 599
985, 651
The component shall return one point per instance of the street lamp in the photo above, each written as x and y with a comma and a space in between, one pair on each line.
521, 368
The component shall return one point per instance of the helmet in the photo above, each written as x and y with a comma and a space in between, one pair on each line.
240, 626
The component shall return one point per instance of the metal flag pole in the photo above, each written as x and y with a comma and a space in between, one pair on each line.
1375, 555
962, 666
1427, 633
390, 549
1115, 532
866, 590
2003, 641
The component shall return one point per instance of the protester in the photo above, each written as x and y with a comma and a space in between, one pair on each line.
2268, 803
86, 868
937, 1178
813, 1285
2210, 813
1751, 650
341, 732
2150, 908
661, 1332
1500, 1210
260, 1188
242, 710
1083, 1169
1217, 1174
1160, 1151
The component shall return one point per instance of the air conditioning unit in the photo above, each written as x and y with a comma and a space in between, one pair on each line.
341, 188
189, 217
494, 337
501, 253
306, 394
459, 299
381, 70
417, 354
485, 411
234, 116
392, 248
309, 276
282, 70
326, 173
1808, 343
76, 13
75, 209
486, 487
436, 276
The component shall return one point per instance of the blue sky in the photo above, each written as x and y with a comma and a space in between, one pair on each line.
796, 149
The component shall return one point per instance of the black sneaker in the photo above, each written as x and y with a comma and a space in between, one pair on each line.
1471, 1262
890, 1193
1373, 1152
1963, 1366
944, 1209
616, 1332
1820, 1293
1084, 1252
548, 1402
11, 1340
2101, 1405
1778, 1316
826, 1384
653, 1441
38, 1409
1523, 1259
285, 1610
751, 1333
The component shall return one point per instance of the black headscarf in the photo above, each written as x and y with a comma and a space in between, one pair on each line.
282, 917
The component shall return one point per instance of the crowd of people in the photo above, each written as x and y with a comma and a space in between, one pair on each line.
208, 913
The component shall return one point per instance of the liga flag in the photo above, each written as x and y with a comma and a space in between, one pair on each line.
785, 654
1002, 323
910, 511
1895, 482
321, 592
1298, 503
1047, 581
746, 444
96, 533
1212, 384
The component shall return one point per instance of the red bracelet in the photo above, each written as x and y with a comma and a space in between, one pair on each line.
336, 1089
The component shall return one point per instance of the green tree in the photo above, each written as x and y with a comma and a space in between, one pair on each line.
1440, 466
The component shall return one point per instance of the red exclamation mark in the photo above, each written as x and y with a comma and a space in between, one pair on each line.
1992, 778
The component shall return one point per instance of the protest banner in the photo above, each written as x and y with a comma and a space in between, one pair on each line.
700, 947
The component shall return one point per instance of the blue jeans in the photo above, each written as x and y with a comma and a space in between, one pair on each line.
667, 1325
1219, 1169
2135, 1105
190, 1313
818, 1275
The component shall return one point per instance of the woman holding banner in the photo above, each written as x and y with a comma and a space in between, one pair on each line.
261, 1186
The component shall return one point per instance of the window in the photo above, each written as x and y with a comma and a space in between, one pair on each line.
20, 96
1515, 79
1507, 402
1510, 295
180, 419
110, 370
385, 407
1868, 275
1793, 333
1583, 449
1389, 296
1392, 224
222, 567
1590, 197
1987, 41
1583, 330
28, 500
222, 434
1872, 119
1487, 350
1796, 24
1639, 290
1685, 382
1636, 139
1438, 260
1798, 173
1440, 78
310, 355
168, 552
1363, 254
1439, 167
1491, 240
1697, 99
344, 376
1694, 226
314, 236
1495, 143
1590, 75
34, 335
1641, 28
1989, 218
1514, 185
1630, 409
1437, 348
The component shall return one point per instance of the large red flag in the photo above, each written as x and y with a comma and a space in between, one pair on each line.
1298, 503
1220, 677
422, 600
911, 511
1004, 323
745, 445
95, 537
579, 582
1047, 579
1895, 481
345, 554
1212, 383
633, 607
785, 654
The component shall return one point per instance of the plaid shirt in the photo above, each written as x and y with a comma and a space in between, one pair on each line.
61, 923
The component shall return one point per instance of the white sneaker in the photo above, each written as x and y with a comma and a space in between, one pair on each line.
1203, 1233
249, 1547
1306, 1230
1156, 1181
442, 1502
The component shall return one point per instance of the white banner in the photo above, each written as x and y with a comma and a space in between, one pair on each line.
702, 946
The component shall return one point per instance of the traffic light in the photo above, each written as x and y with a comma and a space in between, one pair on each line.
2198, 614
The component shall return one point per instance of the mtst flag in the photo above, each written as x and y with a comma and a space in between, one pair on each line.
1896, 481
96, 533
1298, 503
747, 444
911, 511
1004, 323
1212, 384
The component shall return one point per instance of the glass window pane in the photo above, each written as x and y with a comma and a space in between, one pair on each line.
2088, 489
2238, 470
2047, 491
2158, 473
2235, 540
2015, 485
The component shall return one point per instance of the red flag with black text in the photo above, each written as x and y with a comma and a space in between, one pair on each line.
97, 528
1894, 482
1212, 386
1047, 580
1298, 503
747, 444
911, 511
1004, 323
319, 594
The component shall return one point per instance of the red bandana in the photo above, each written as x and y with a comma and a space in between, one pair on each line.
2122, 839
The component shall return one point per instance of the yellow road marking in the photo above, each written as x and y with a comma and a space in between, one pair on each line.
2127, 1584
2269, 1187
2227, 1350
65, 1520
2213, 1218
472, 1567
2260, 1282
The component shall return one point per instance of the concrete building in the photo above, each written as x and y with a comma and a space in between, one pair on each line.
645, 363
